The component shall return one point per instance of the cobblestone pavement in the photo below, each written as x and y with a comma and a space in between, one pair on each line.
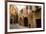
16, 26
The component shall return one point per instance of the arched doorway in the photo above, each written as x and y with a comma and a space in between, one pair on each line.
25, 21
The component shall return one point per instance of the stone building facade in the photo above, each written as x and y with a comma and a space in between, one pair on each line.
28, 17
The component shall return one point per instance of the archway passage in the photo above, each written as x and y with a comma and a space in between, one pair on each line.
25, 21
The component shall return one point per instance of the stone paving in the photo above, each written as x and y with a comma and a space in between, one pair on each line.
16, 26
